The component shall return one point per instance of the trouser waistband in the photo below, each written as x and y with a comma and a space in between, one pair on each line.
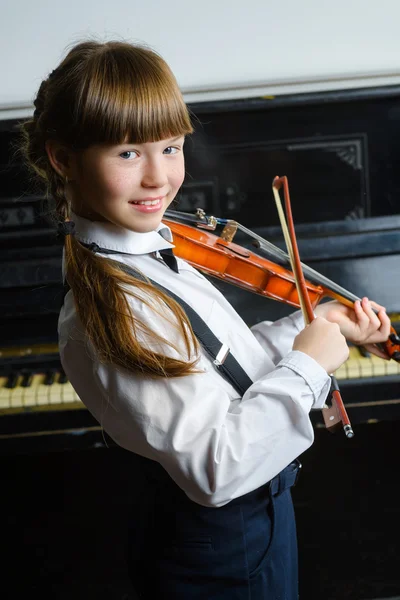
157, 477
285, 479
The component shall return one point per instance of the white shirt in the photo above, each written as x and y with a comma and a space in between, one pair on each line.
215, 445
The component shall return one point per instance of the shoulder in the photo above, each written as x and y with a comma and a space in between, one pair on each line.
69, 324
155, 326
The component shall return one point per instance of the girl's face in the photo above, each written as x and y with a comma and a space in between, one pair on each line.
130, 185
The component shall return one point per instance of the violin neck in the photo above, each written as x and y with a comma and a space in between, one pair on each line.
336, 291
274, 253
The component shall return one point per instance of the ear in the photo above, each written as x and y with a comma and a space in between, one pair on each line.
61, 158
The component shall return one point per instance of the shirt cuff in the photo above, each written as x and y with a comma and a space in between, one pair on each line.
313, 374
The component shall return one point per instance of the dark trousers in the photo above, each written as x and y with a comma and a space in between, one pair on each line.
245, 550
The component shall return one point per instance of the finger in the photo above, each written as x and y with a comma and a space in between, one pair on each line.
362, 321
383, 317
362, 317
385, 323
377, 306
381, 334
374, 320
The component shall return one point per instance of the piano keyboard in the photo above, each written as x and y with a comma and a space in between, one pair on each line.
360, 367
40, 391
51, 391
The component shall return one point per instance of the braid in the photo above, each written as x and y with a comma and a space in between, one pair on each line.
57, 191
34, 136
41, 97
40, 100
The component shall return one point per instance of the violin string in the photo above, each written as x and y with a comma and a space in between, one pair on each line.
318, 278
273, 251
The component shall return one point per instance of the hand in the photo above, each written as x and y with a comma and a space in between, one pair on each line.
360, 326
323, 341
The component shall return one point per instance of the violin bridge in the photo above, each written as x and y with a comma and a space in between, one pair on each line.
206, 222
229, 231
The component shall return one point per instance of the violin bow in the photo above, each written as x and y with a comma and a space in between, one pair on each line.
335, 416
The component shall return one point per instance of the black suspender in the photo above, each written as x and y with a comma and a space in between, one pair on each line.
223, 360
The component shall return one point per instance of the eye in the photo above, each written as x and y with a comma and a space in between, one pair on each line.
171, 150
128, 154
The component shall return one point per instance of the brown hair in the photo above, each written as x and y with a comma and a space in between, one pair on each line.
107, 93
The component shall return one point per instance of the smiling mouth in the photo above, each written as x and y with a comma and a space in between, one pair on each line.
147, 202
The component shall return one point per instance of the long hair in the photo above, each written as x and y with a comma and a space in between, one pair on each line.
105, 93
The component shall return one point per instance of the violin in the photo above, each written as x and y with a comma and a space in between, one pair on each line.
269, 275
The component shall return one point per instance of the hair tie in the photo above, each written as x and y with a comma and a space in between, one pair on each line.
66, 228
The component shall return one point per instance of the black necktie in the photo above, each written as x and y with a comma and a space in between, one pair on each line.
169, 259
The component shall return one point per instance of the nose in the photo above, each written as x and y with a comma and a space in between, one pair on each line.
154, 173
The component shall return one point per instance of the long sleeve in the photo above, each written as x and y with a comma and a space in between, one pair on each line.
214, 445
276, 338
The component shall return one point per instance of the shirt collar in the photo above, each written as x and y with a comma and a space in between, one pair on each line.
113, 237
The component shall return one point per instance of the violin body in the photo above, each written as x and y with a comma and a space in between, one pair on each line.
239, 266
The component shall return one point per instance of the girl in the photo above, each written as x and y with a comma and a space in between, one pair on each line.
218, 452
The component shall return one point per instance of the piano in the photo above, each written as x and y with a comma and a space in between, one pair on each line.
39, 408
340, 151
344, 184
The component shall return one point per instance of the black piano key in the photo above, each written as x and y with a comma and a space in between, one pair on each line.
62, 378
49, 378
12, 380
26, 379
364, 353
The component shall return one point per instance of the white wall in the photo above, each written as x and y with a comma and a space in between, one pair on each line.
217, 48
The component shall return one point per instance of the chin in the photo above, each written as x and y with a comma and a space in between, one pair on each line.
145, 226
